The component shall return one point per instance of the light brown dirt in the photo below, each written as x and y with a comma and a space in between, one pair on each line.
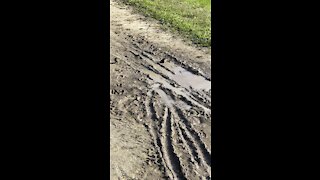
160, 102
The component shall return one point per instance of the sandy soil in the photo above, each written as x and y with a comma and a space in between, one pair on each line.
160, 102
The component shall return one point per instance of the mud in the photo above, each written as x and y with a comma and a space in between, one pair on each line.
160, 105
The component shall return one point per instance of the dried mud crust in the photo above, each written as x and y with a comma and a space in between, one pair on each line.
160, 102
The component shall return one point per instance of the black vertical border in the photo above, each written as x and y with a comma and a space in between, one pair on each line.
217, 71
103, 17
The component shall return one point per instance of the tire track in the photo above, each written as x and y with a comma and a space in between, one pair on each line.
153, 131
203, 153
162, 75
170, 157
161, 127
191, 141
189, 147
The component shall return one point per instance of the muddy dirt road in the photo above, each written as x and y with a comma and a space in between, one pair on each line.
160, 102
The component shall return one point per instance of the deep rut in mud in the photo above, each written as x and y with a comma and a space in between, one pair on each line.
160, 107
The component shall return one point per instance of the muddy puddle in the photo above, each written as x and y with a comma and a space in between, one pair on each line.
186, 78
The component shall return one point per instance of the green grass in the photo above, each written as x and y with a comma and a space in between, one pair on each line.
190, 18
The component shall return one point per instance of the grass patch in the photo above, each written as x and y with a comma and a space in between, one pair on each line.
190, 18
